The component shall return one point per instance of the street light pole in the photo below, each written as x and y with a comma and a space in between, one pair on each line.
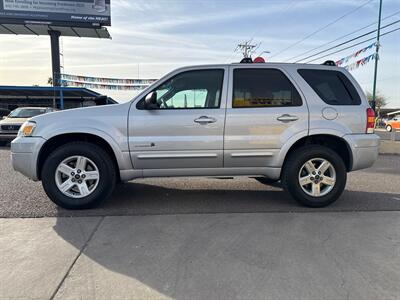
376, 56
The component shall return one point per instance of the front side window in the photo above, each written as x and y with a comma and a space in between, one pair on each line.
333, 87
263, 88
190, 90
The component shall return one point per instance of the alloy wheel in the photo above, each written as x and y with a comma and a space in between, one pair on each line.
77, 176
317, 177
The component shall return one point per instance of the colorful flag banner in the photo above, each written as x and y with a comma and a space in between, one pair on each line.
104, 86
103, 81
355, 54
361, 62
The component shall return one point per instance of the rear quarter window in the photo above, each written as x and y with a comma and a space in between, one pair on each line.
333, 87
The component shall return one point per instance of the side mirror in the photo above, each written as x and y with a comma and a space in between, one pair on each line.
150, 102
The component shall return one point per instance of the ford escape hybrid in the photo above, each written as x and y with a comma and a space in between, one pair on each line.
306, 125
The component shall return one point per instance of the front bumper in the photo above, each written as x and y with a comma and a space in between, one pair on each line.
365, 150
24, 155
7, 137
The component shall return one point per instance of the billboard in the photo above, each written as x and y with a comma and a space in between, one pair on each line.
74, 13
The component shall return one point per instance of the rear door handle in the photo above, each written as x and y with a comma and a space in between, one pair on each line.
287, 118
205, 120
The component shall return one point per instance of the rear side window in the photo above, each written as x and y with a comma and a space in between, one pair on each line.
263, 88
333, 87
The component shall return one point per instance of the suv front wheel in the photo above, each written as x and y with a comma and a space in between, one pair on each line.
314, 175
78, 175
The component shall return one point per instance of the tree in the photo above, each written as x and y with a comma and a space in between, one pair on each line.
380, 101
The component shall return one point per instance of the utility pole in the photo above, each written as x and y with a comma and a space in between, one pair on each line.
376, 56
247, 49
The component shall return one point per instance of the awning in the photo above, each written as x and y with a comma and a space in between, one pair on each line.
33, 92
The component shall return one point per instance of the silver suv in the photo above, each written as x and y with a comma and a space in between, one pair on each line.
306, 125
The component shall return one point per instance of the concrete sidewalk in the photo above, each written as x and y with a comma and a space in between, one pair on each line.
353, 255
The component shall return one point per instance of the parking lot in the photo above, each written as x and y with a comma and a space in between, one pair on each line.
374, 189
193, 238
385, 135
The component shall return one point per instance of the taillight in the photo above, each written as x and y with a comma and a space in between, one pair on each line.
370, 121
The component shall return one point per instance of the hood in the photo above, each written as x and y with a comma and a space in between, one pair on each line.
13, 121
77, 113
82, 120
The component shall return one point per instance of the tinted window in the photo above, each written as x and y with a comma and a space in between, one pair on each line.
190, 90
333, 87
263, 88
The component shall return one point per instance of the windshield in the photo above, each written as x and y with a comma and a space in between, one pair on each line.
26, 112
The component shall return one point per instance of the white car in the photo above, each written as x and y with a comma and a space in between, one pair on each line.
10, 124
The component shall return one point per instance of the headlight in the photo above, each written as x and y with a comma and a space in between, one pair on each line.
27, 128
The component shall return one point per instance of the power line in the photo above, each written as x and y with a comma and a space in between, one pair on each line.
341, 37
346, 42
322, 28
391, 31
257, 31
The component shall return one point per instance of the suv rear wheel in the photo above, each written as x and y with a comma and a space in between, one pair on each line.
314, 175
78, 175
389, 128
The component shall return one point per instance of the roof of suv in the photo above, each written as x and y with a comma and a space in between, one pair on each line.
266, 64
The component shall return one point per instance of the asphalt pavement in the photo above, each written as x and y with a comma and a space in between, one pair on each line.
374, 189
387, 136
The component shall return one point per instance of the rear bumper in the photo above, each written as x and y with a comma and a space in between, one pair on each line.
24, 155
364, 148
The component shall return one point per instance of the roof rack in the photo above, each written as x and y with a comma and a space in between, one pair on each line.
329, 63
246, 60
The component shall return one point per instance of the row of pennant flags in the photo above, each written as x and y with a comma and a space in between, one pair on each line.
139, 84
105, 83
351, 66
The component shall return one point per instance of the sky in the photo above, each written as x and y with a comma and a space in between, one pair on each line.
151, 38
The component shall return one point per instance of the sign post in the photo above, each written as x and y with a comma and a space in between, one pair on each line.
55, 56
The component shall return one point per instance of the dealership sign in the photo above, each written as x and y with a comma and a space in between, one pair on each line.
80, 13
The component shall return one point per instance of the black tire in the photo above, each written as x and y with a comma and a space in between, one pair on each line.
106, 170
389, 128
292, 168
3, 143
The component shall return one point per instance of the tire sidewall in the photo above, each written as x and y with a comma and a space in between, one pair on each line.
94, 153
296, 162
388, 128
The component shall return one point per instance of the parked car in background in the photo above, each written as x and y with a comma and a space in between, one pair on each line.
393, 124
10, 125
306, 125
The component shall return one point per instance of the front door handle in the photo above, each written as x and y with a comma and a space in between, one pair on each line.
205, 120
287, 118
